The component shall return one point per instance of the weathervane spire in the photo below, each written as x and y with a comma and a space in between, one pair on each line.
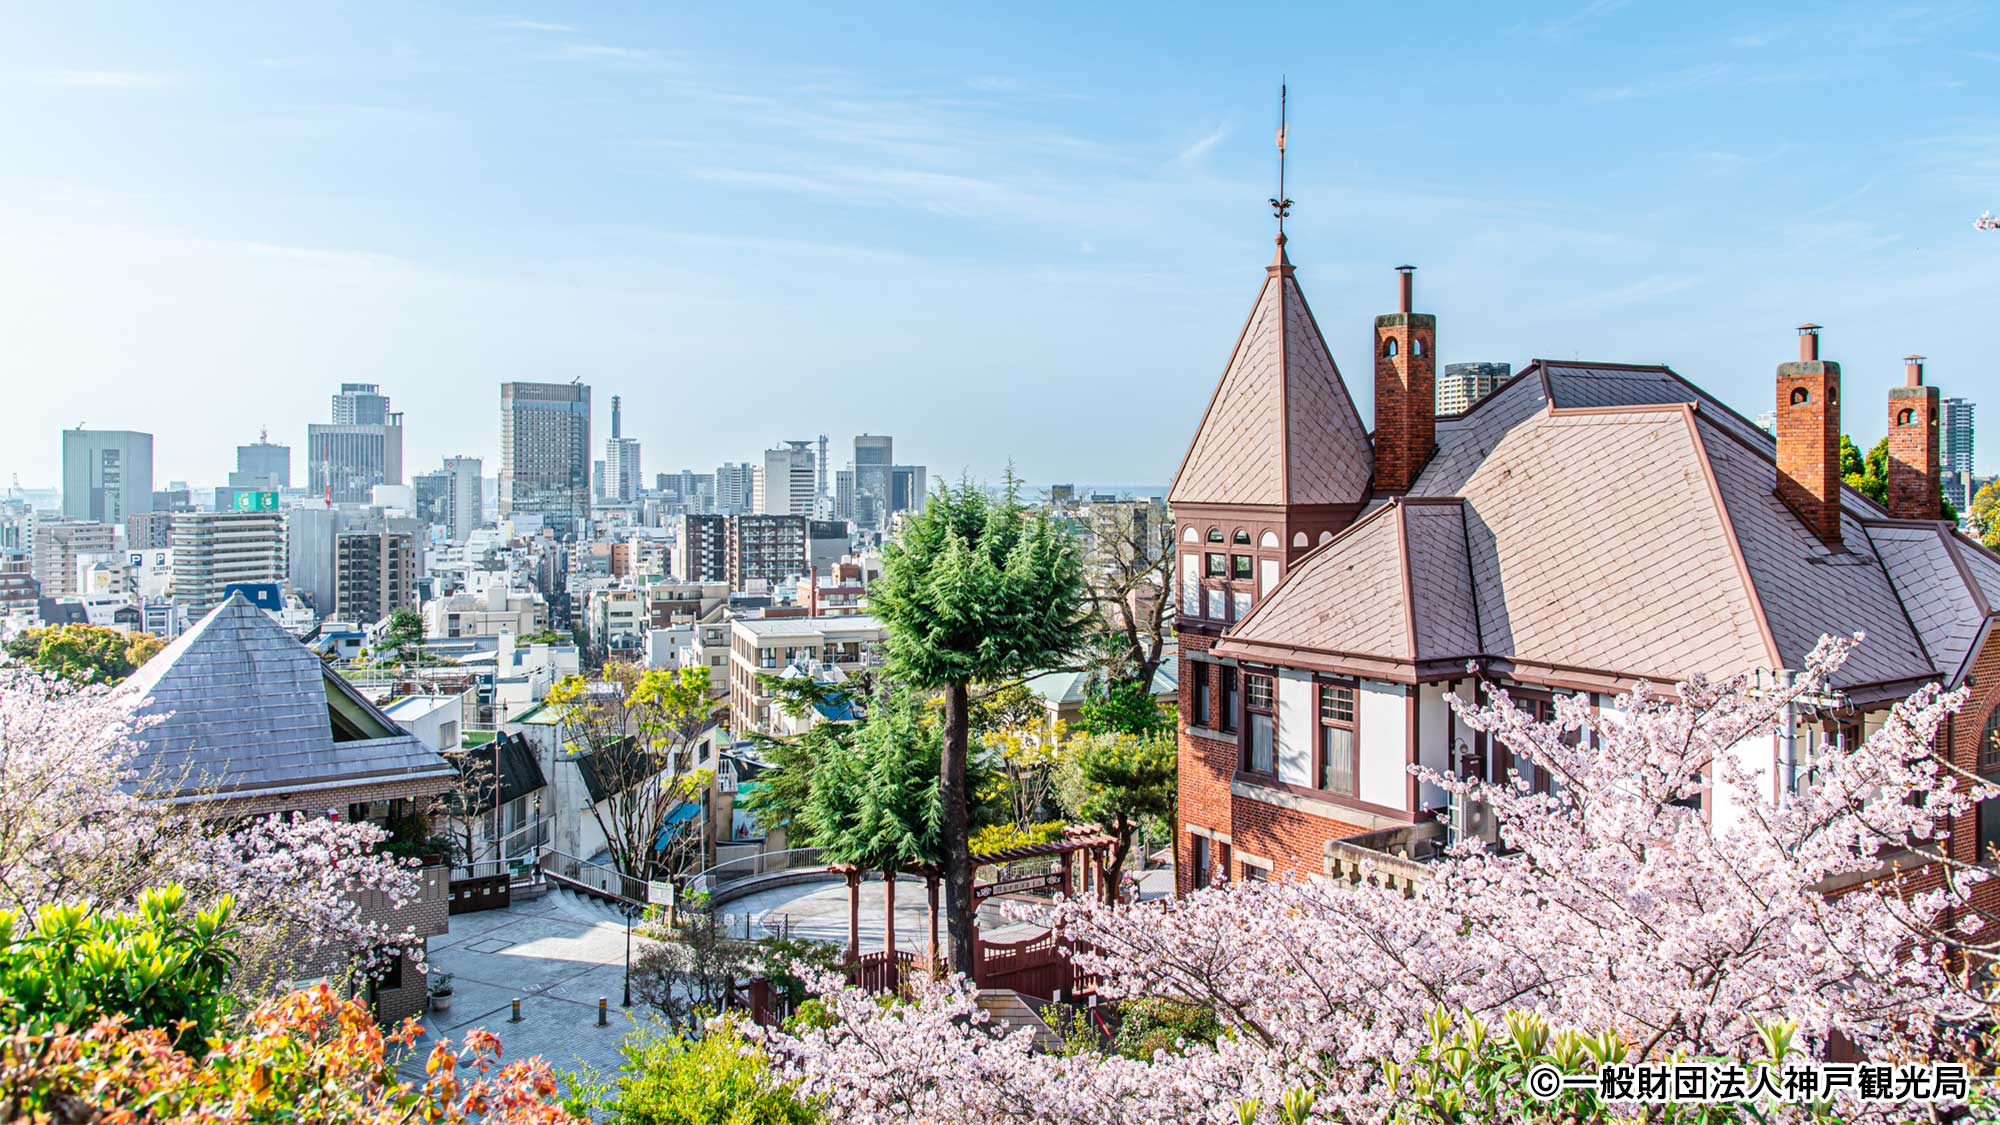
1281, 206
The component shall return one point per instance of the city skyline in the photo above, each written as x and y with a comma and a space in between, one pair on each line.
447, 200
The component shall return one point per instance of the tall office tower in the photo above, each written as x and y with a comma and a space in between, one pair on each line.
622, 481
452, 497
213, 550
57, 545
790, 484
107, 474
375, 574
821, 464
734, 485
597, 481
363, 447
148, 531
843, 494
702, 554
874, 460
360, 404
263, 466
907, 488
545, 453
1463, 384
1955, 435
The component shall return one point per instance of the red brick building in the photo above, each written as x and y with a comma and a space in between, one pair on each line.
1582, 528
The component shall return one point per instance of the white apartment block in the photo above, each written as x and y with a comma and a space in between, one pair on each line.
213, 550
769, 645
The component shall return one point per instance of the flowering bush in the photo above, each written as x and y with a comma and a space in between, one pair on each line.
669, 1078
304, 1059
1614, 905
77, 827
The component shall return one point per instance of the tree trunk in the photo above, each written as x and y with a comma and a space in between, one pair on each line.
1115, 870
957, 828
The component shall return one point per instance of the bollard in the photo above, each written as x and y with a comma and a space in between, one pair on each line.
516, 1017
602, 1004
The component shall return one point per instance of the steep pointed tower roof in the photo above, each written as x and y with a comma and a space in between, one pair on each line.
1281, 428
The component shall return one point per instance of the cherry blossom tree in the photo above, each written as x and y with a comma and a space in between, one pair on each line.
1613, 905
75, 829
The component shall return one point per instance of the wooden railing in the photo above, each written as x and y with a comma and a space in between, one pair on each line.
881, 971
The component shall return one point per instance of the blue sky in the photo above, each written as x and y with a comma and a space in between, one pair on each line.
996, 232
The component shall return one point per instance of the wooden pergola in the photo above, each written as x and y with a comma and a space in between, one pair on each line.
881, 972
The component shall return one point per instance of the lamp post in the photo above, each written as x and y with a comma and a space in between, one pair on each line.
628, 956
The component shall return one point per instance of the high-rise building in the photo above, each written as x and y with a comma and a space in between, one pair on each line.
545, 453
107, 474
360, 404
375, 574
766, 549
907, 488
735, 484
843, 494
363, 447
1463, 384
18, 589
213, 550
1955, 435
452, 497
58, 543
702, 554
622, 481
789, 483
265, 465
874, 462
149, 531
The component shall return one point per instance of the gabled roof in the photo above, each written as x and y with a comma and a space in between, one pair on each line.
1620, 522
242, 708
1280, 427
519, 774
1395, 585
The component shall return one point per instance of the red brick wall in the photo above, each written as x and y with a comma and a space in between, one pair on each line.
1913, 453
1405, 398
1205, 765
1294, 842
1809, 444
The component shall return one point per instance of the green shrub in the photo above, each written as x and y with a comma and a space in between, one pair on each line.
1156, 1023
668, 1078
160, 966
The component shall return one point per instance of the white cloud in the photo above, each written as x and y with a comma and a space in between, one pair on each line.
534, 25
1201, 148
607, 51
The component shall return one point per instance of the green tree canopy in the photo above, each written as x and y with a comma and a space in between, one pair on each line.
1119, 781
85, 653
1869, 474
975, 590
875, 801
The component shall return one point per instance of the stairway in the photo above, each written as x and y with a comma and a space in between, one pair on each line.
586, 908
1011, 1010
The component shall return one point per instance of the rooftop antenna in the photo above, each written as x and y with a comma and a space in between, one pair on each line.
1281, 206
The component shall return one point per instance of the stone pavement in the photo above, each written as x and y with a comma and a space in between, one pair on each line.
818, 911
558, 954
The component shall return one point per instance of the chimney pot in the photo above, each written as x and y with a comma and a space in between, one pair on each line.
1808, 342
1407, 297
1913, 370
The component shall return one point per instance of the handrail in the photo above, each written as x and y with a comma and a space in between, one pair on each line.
745, 867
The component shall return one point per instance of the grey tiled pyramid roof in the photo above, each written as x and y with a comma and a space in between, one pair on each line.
1280, 428
244, 709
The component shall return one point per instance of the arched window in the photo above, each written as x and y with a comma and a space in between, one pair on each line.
1417, 346
1389, 347
1269, 539
1190, 535
1299, 540
1326, 536
1241, 536
1215, 535
1905, 417
1799, 395
1989, 742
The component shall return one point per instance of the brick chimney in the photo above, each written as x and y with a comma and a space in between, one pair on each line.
1809, 438
1913, 446
1405, 392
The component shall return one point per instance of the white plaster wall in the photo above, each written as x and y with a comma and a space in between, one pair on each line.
1384, 741
1297, 725
1434, 721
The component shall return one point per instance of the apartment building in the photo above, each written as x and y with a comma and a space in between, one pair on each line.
375, 574
769, 645
213, 550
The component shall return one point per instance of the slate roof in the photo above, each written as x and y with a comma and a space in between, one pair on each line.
520, 774
243, 708
1280, 427
1618, 520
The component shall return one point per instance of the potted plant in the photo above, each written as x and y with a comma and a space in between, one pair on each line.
441, 992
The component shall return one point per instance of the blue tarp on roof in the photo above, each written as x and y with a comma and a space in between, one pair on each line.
838, 708
674, 822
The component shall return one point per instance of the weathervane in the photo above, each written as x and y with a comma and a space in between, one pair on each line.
1280, 206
